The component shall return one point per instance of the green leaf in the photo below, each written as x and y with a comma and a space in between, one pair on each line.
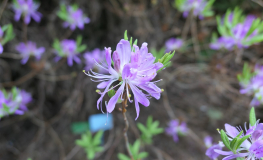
79, 127
131, 41
91, 154
111, 93
225, 139
240, 133
14, 92
126, 36
149, 121
97, 138
123, 157
79, 40
157, 131
240, 141
255, 39
233, 143
6, 108
253, 27
81, 48
142, 155
252, 117
136, 147
98, 149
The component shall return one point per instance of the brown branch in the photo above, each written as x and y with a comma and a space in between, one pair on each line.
186, 26
194, 35
3, 8
124, 104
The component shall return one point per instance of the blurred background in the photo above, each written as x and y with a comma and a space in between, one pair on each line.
202, 91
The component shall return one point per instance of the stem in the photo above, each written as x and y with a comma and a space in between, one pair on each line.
239, 53
194, 35
124, 104
186, 26
3, 8
25, 32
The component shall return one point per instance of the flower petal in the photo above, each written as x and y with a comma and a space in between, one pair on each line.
114, 99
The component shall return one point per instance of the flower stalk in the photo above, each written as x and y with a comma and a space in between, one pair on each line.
124, 105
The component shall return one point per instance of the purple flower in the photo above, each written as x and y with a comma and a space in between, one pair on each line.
29, 49
26, 9
133, 70
69, 50
1, 37
174, 129
75, 18
196, 5
237, 37
211, 147
94, 57
251, 148
254, 87
173, 44
14, 103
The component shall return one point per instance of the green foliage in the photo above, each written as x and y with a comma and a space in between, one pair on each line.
246, 75
252, 117
80, 48
111, 93
165, 60
157, 54
235, 143
79, 127
62, 13
8, 34
90, 144
134, 151
149, 130
29, 158
131, 42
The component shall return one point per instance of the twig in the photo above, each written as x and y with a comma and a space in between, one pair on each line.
124, 104
259, 2
10, 55
186, 26
67, 34
194, 35
239, 53
25, 32
23, 79
3, 8
58, 78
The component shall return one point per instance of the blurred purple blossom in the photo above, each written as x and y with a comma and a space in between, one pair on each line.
76, 18
211, 147
14, 104
173, 44
1, 37
29, 49
238, 37
26, 9
93, 58
254, 87
133, 70
69, 50
196, 5
175, 128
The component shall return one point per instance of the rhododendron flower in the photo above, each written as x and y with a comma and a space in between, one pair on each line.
211, 147
14, 102
29, 49
236, 35
26, 9
93, 57
175, 128
70, 50
173, 44
75, 18
133, 70
251, 148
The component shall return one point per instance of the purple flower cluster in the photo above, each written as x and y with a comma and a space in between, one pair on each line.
75, 18
94, 57
250, 149
175, 128
68, 49
133, 70
210, 152
255, 87
173, 44
1, 37
29, 49
14, 102
26, 9
196, 5
238, 35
